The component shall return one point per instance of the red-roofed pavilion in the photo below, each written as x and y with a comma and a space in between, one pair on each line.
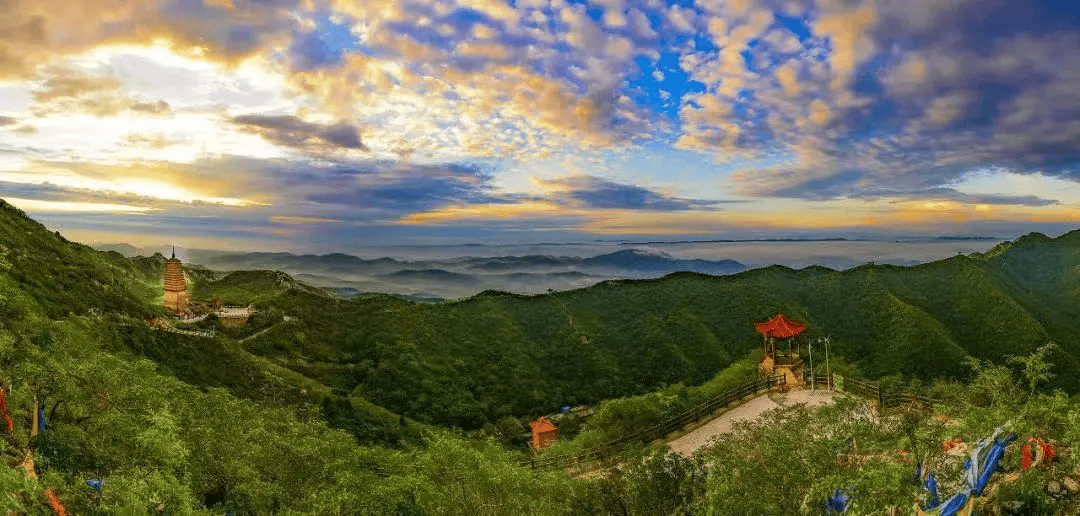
780, 327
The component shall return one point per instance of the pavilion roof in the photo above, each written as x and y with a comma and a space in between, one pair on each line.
541, 425
780, 326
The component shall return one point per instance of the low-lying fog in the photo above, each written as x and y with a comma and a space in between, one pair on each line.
450, 272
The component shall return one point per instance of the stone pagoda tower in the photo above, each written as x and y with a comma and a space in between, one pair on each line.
176, 292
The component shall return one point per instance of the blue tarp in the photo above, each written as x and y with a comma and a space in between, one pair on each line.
41, 419
840, 501
96, 484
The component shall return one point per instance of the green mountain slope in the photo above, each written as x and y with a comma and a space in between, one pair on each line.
470, 362
244, 422
69, 278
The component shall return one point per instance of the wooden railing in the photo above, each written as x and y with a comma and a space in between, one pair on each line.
872, 391
606, 451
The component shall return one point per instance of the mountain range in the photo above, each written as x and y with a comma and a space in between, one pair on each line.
348, 275
498, 353
249, 418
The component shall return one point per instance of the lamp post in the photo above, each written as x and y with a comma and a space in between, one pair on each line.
813, 382
828, 371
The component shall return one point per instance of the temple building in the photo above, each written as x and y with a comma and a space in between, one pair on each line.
234, 317
176, 291
544, 433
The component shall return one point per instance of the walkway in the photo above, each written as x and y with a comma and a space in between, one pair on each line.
264, 330
190, 333
687, 444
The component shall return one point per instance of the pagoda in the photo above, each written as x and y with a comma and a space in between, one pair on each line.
176, 292
778, 360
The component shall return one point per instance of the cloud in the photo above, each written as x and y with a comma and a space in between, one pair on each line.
153, 140
681, 19
590, 192
642, 26
885, 99
157, 108
158, 184
33, 33
841, 99
389, 190
68, 90
37, 206
291, 131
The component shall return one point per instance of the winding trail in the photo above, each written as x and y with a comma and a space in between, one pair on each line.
687, 444
264, 330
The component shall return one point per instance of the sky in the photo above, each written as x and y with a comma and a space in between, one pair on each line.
323, 125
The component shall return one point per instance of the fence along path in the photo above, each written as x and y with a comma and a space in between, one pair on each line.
608, 451
190, 333
660, 430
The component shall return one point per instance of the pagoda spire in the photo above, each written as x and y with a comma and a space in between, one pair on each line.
174, 251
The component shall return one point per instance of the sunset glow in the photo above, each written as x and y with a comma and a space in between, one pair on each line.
410, 120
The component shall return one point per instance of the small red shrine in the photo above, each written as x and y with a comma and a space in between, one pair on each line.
544, 433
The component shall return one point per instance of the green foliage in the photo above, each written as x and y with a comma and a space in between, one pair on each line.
650, 482
469, 363
291, 420
623, 416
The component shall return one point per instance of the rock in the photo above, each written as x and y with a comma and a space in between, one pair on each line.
1053, 487
1071, 485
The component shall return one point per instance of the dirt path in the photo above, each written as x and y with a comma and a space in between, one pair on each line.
686, 444
264, 330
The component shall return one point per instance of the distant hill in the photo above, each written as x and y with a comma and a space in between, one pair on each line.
242, 287
127, 250
502, 263
637, 260
432, 275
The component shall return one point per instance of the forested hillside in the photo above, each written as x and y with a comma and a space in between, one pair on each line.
299, 411
473, 361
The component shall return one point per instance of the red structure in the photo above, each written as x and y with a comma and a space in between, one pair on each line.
544, 433
780, 327
779, 361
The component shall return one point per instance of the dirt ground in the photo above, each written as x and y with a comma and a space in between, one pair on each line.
686, 444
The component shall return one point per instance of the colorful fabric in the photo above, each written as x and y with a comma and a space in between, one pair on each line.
54, 502
1048, 450
950, 444
3, 408
1026, 456
979, 467
931, 488
840, 501
987, 467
